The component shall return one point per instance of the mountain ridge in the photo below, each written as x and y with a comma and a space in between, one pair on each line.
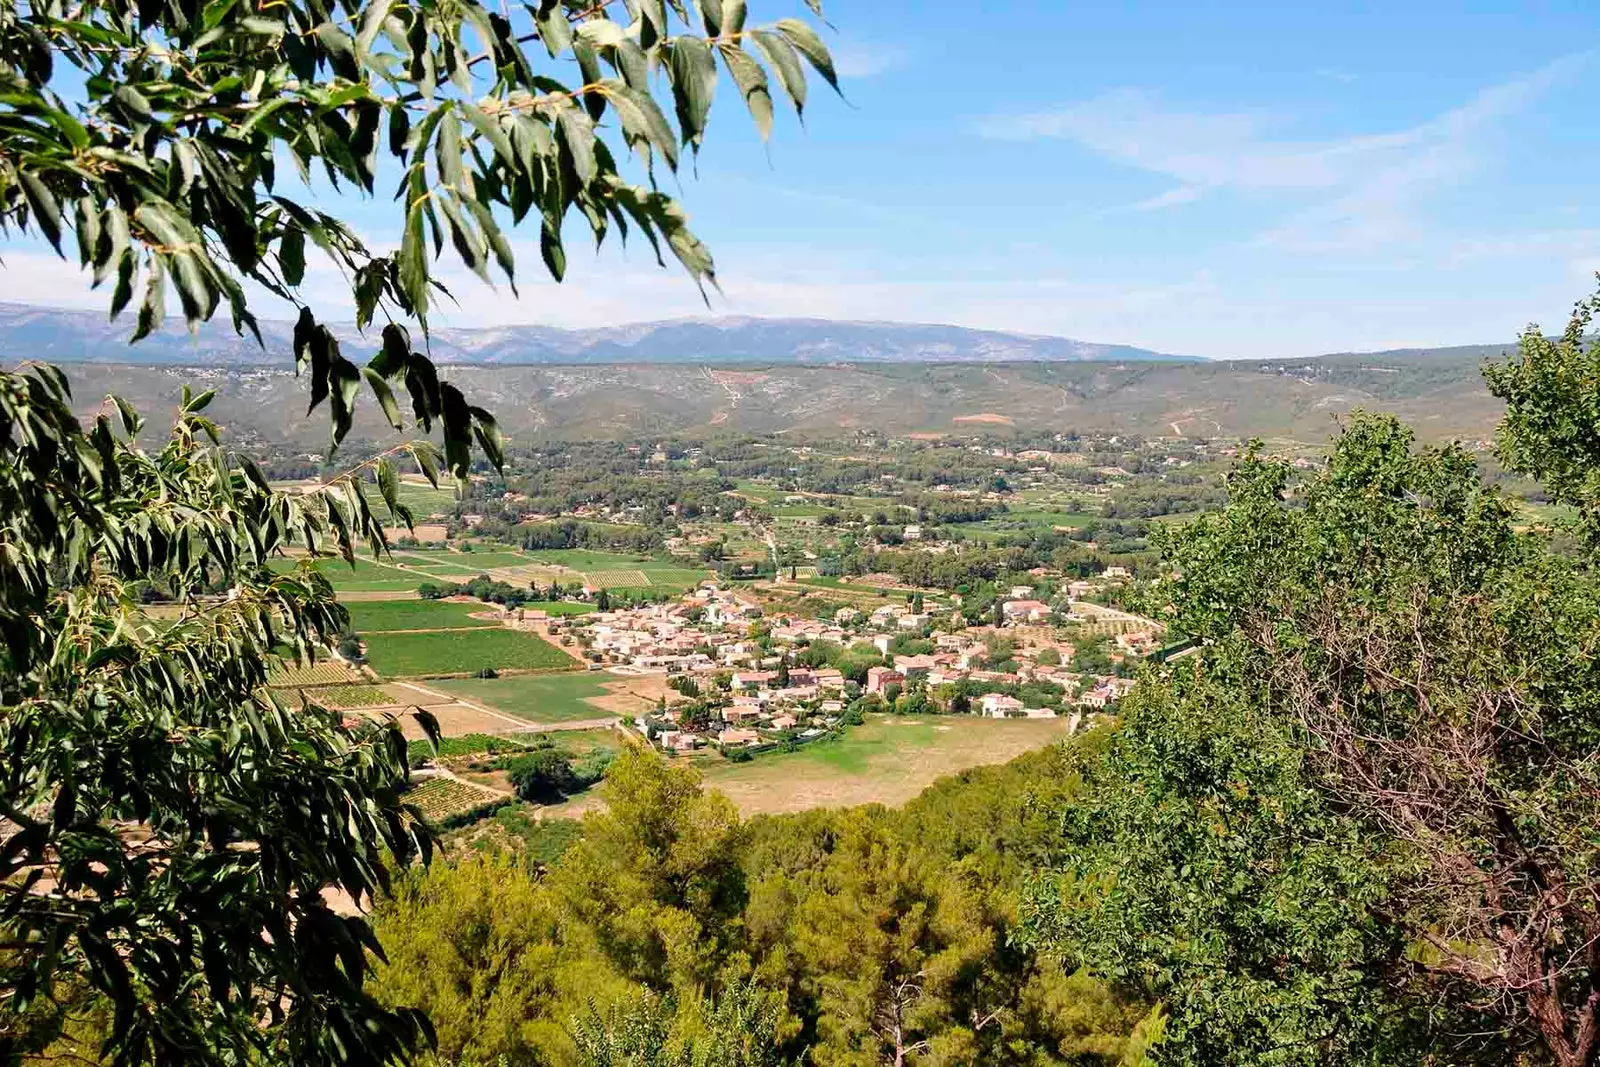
77, 336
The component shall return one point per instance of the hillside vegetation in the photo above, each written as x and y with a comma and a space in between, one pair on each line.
1442, 394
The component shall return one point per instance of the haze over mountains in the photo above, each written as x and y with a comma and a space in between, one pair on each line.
788, 375
86, 337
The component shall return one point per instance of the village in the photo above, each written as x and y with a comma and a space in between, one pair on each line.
748, 679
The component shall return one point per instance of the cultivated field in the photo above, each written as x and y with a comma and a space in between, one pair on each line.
325, 672
440, 798
888, 760
420, 655
364, 576
550, 698
380, 616
350, 696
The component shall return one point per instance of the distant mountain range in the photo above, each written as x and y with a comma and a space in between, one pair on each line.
86, 337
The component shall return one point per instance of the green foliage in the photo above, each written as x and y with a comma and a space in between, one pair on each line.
151, 135
170, 825
1380, 764
671, 932
1201, 867
1551, 430
544, 776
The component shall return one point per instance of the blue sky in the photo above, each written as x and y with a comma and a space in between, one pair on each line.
1220, 179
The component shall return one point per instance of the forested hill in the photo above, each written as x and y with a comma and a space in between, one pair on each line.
1441, 393
83, 336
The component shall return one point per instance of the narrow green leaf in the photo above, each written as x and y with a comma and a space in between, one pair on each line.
389, 485
292, 255
781, 54
43, 209
577, 134
385, 395
694, 82
752, 83
805, 39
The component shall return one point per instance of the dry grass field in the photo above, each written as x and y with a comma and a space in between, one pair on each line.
888, 760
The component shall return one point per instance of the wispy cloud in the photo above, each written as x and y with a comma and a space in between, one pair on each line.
1361, 187
1175, 197
856, 60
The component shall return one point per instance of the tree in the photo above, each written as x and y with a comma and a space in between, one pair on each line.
1201, 867
603, 601
1432, 659
152, 134
1551, 430
172, 823
177, 824
543, 776
783, 671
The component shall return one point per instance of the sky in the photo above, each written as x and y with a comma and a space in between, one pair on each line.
1223, 179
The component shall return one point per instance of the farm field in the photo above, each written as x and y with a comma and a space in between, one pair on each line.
350, 696
887, 760
440, 798
550, 698
424, 500
379, 616
401, 655
364, 576
481, 560
615, 570
447, 564
585, 559
324, 672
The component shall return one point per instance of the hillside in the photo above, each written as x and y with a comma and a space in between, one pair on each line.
85, 336
1441, 393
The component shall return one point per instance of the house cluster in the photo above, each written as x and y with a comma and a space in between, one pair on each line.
720, 638
705, 630
961, 660
765, 705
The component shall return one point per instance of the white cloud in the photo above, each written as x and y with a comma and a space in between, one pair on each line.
1362, 188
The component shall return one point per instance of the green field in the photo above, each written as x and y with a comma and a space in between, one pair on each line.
461, 651
444, 563
542, 698
380, 616
585, 559
349, 696
425, 500
365, 576
489, 560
